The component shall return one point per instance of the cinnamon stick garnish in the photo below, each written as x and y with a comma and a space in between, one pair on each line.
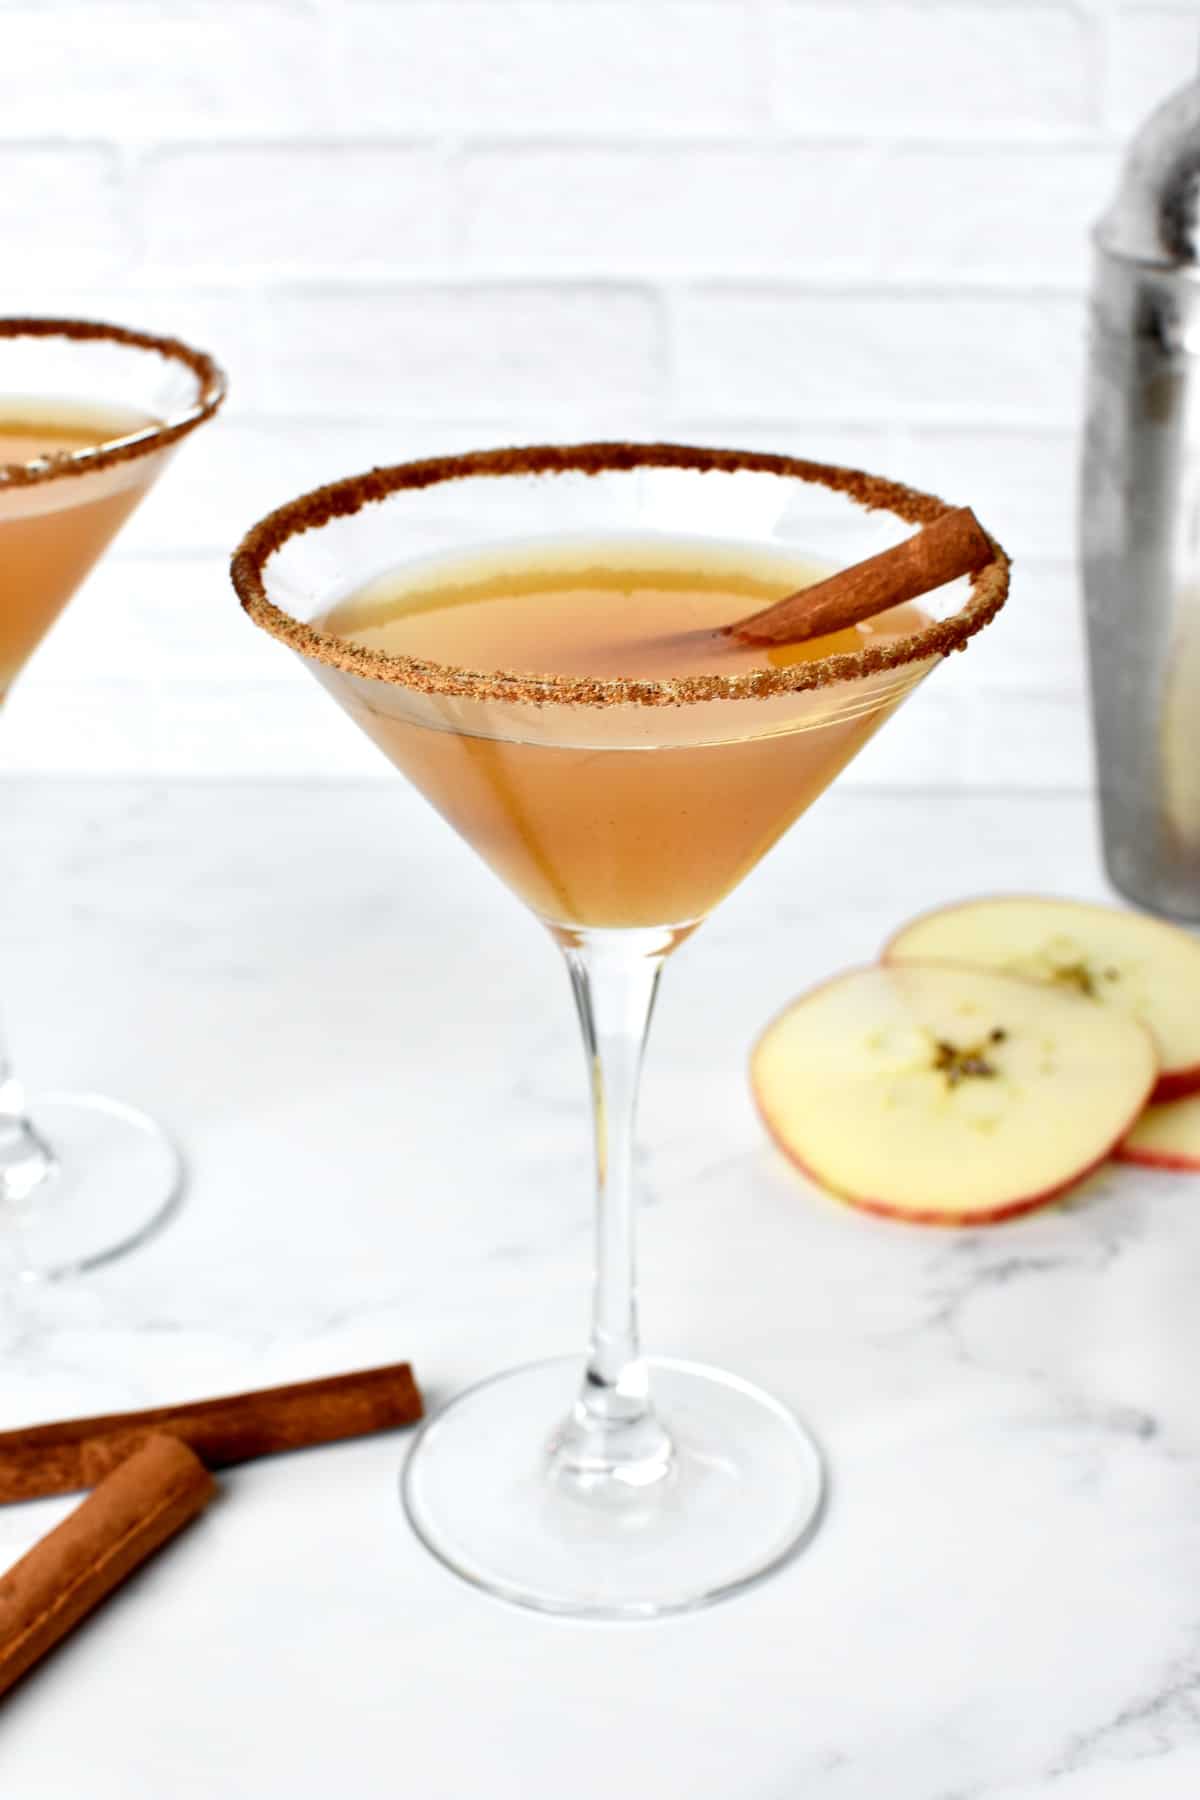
954, 544
76, 1453
134, 1510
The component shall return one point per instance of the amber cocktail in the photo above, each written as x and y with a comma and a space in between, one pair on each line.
89, 416
570, 810
536, 638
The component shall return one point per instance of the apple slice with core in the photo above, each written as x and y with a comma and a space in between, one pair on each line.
1124, 960
1165, 1137
949, 1096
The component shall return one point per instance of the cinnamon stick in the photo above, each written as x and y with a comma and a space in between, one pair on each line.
76, 1453
955, 544
132, 1512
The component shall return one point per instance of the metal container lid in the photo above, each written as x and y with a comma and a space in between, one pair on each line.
1155, 214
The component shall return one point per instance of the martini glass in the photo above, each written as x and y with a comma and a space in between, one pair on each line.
621, 811
89, 417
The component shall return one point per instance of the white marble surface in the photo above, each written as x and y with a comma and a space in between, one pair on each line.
369, 1052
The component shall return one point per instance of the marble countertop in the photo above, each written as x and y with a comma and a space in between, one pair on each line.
370, 1055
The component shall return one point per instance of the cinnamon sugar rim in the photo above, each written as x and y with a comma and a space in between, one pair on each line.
341, 499
210, 381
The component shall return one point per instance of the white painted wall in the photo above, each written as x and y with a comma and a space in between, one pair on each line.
853, 228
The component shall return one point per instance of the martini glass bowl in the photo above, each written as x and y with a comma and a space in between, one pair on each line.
82, 1178
621, 811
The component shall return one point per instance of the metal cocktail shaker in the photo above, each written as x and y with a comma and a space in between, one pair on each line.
1140, 514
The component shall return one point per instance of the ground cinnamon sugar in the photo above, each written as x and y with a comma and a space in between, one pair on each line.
989, 585
210, 391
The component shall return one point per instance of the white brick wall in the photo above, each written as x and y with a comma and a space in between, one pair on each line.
856, 228
970, 66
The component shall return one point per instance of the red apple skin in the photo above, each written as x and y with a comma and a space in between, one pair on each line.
993, 1215
883, 1209
1177, 1084
1156, 1159
1172, 1084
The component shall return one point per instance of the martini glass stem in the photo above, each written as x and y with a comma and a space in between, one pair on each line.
25, 1160
612, 1433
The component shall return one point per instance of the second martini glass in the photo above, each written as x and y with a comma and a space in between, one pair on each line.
89, 416
621, 805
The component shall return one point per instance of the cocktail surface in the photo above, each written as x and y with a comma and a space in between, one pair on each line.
646, 609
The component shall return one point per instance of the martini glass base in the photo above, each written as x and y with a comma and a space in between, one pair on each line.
114, 1179
743, 1493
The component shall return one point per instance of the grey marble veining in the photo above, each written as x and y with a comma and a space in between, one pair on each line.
370, 1054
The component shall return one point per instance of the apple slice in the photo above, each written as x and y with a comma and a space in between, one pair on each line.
949, 1096
1165, 1137
1137, 965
